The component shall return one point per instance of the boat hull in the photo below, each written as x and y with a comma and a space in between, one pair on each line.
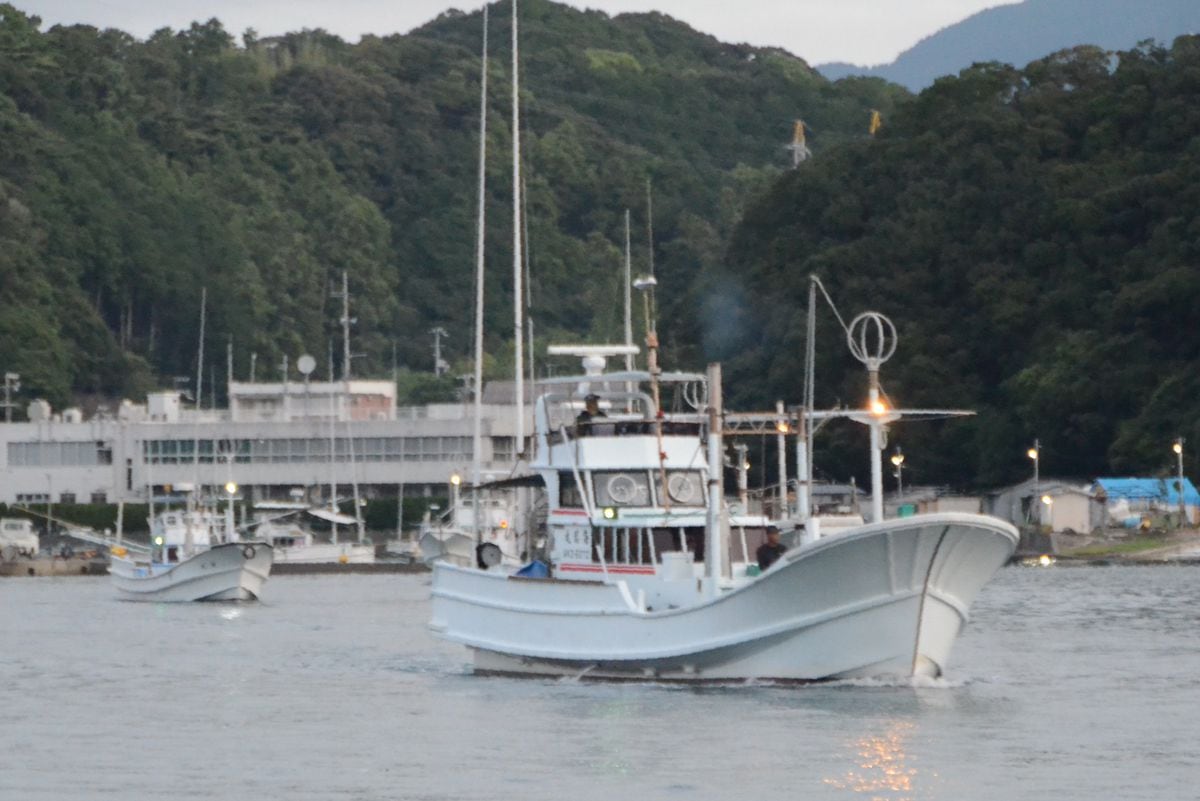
228, 572
320, 553
881, 600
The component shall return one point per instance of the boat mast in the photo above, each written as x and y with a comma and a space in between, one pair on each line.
189, 539
652, 351
347, 356
518, 298
477, 438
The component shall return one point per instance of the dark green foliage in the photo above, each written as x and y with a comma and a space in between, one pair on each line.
1033, 233
133, 174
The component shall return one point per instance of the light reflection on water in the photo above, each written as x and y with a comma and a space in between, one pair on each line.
881, 771
332, 689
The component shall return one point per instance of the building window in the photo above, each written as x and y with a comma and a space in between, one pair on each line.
502, 449
59, 454
99, 497
33, 497
67, 498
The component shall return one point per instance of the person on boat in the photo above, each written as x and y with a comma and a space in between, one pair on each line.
771, 550
591, 410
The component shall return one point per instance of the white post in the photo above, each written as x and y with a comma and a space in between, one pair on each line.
712, 539
876, 456
743, 477
803, 505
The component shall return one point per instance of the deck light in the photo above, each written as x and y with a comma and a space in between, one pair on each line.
1032, 453
455, 479
878, 408
1046, 499
158, 541
231, 488
610, 513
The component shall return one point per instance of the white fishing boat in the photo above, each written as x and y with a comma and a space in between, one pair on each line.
294, 543
649, 576
195, 556
647, 572
473, 529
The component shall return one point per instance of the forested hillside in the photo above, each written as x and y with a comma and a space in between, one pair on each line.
1035, 235
132, 174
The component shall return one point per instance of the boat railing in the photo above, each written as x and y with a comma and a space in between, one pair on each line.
605, 427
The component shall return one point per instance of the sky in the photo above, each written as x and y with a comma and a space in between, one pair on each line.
864, 32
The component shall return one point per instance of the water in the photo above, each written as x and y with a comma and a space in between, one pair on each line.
1070, 683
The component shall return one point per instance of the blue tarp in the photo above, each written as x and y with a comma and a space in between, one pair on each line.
1162, 490
535, 569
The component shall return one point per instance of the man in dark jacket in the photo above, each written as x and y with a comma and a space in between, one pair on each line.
770, 550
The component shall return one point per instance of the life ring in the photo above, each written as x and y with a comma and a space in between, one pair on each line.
248, 551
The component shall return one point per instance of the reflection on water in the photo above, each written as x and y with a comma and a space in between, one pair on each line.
880, 770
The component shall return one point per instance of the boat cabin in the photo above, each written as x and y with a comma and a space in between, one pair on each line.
628, 489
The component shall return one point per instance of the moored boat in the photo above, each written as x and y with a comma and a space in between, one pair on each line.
192, 558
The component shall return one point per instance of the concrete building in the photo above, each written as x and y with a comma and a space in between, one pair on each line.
274, 439
1054, 503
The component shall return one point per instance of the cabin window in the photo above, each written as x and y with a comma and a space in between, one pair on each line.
624, 546
569, 495
622, 488
680, 539
686, 487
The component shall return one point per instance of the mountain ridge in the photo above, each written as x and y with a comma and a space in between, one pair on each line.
1022, 32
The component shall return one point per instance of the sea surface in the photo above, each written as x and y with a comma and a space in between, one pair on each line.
1069, 683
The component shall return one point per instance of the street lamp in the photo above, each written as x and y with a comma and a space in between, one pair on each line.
455, 483
898, 461
1178, 448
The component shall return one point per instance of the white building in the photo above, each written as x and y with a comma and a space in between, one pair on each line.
274, 439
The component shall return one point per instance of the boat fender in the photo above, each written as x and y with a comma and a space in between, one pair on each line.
248, 551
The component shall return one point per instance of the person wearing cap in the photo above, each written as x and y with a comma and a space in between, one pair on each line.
770, 551
591, 409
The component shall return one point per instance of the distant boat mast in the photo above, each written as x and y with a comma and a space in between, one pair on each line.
477, 442
518, 298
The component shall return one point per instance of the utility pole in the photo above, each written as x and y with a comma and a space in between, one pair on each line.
346, 320
12, 383
439, 366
